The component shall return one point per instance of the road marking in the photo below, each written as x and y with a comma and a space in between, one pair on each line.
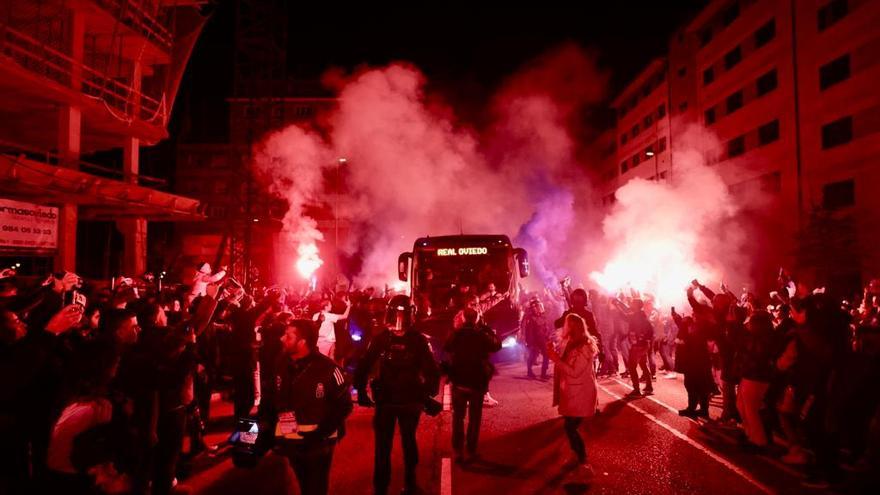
447, 396
446, 476
773, 462
724, 462
652, 399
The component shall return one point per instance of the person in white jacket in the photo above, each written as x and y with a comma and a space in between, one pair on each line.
574, 387
199, 281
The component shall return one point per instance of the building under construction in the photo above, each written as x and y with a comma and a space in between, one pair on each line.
78, 77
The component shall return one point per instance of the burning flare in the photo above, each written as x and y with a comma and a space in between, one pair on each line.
309, 260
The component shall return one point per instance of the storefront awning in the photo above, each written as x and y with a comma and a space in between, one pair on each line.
98, 198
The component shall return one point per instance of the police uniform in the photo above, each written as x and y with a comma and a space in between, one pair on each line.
312, 401
407, 376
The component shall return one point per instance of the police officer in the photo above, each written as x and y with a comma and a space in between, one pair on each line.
311, 401
406, 378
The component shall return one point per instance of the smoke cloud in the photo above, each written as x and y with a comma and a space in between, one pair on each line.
414, 169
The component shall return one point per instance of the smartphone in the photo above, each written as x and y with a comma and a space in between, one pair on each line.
74, 297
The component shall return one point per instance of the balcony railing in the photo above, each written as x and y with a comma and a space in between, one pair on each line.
51, 158
135, 15
120, 99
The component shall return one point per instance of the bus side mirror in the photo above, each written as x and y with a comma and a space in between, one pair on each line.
522, 261
403, 266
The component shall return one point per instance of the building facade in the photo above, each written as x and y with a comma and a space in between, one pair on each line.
78, 78
787, 91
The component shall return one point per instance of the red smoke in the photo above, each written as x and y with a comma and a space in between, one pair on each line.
415, 169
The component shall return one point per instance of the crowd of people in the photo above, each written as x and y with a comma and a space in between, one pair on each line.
108, 389
793, 370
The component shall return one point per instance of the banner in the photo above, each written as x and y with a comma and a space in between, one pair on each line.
27, 226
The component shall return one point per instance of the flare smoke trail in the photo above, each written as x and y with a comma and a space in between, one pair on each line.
660, 233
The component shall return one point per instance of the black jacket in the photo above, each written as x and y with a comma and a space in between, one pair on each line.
757, 356
407, 373
315, 390
583, 313
641, 332
470, 347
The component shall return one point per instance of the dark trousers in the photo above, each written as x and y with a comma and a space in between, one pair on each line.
638, 358
407, 416
534, 352
698, 386
571, 425
169, 430
468, 401
243, 392
311, 464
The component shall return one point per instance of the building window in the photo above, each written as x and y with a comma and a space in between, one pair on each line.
705, 36
768, 132
736, 146
839, 195
624, 167
635, 160
832, 12
765, 33
682, 107
710, 116
634, 131
837, 133
834, 72
661, 145
708, 76
623, 139
734, 102
732, 58
649, 119
682, 71
661, 111
730, 14
767, 83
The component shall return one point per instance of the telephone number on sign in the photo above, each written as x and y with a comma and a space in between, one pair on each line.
26, 230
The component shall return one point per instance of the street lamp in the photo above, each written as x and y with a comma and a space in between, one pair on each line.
649, 153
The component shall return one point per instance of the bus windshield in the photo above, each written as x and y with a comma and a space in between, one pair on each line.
445, 275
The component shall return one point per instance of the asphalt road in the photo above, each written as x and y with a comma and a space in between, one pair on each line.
635, 446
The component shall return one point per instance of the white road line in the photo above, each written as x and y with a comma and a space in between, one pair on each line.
446, 476
447, 396
724, 462
652, 399
769, 460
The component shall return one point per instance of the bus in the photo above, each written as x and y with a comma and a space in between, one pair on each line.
444, 271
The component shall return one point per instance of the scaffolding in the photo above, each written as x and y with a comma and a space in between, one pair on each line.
259, 69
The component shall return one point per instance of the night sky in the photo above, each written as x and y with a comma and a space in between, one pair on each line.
466, 51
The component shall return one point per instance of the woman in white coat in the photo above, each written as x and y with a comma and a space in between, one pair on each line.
574, 388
